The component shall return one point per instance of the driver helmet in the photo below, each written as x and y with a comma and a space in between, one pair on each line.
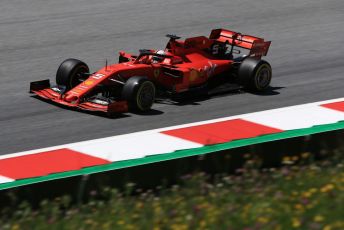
158, 59
161, 52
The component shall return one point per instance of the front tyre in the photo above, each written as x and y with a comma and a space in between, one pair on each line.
255, 74
140, 93
70, 73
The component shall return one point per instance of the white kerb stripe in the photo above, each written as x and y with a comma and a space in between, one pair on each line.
297, 118
137, 146
4, 179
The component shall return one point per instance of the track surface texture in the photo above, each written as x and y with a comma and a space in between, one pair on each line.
37, 35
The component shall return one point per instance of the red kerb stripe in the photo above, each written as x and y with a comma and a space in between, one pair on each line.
221, 132
339, 106
45, 163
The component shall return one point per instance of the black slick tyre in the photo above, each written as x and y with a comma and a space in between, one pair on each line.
140, 93
255, 74
70, 73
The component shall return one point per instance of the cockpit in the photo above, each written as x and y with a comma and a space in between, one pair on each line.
160, 57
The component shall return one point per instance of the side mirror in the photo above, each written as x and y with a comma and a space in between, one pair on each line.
123, 57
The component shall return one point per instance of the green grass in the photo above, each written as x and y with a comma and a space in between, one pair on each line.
303, 194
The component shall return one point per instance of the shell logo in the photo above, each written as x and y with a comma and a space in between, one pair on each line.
89, 82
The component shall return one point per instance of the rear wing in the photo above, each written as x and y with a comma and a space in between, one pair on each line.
257, 46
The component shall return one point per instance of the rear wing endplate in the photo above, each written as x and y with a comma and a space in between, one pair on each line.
257, 46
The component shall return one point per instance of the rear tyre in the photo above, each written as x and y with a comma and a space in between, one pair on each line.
140, 93
71, 73
255, 74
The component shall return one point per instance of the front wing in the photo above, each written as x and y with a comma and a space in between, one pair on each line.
43, 90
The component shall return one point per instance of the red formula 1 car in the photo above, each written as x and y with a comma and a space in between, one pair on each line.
190, 65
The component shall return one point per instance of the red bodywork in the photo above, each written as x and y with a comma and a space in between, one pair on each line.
188, 63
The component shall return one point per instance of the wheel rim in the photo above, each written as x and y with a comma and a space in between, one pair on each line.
263, 77
146, 96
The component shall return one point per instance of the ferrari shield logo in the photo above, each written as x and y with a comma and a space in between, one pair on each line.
156, 73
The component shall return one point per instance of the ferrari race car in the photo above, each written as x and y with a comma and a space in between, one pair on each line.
226, 58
